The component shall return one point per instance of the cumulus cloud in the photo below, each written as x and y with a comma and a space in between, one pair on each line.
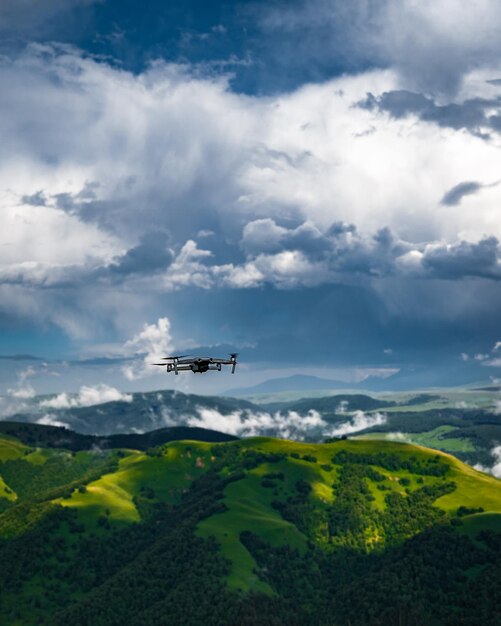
290, 425
87, 396
482, 259
152, 343
120, 176
306, 256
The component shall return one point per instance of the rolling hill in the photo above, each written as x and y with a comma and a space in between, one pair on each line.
251, 531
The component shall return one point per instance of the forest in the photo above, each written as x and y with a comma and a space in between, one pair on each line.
256, 531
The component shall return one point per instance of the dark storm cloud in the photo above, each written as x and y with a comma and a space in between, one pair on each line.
265, 236
482, 259
342, 253
36, 199
457, 193
78, 202
273, 254
473, 115
150, 255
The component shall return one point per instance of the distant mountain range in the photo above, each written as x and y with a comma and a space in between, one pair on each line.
39, 435
147, 411
408, 379
290, 383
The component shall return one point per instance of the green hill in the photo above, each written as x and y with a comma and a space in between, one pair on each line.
255, 531
59, 437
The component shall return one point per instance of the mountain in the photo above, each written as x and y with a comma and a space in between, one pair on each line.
146, 411
340, 403
427, 377
37, 435
405, 379
298, 382
257, 531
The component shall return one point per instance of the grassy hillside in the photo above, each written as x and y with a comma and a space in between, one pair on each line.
202, 532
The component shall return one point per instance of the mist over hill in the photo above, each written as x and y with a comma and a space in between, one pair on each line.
464, 421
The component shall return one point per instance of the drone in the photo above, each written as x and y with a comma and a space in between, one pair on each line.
197, 364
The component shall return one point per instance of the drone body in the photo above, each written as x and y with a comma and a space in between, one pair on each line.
198, 364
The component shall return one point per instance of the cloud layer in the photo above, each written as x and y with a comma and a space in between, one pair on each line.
163, 194
290, 425
192, 185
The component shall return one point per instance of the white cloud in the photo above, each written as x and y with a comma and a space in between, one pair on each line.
117, 155
87, 396
495, 469
51, 420
359, 421
290, 425
244, 423
490, 359
23, 393
152, 343
45, 237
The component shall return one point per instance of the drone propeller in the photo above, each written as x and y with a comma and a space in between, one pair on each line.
233, 356
181, 356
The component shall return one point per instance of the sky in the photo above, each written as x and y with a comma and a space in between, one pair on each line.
314, 184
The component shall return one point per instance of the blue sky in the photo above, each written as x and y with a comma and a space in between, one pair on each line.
294, 180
